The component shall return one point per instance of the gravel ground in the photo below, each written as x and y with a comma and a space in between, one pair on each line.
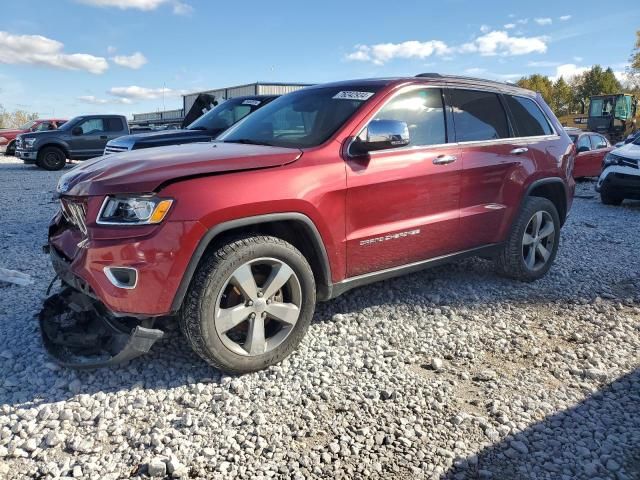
450, 373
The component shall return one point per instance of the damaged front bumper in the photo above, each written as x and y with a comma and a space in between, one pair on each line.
77, 332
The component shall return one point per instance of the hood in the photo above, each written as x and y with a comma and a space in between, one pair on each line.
42, 134
630, 150
10, 131
143, 171
161, 138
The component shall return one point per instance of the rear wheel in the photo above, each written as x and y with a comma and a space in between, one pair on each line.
11, 149
249, 304
533, 242
609, 199
51, 158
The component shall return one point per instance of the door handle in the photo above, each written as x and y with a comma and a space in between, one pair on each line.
444, 159
103, 137
519, 151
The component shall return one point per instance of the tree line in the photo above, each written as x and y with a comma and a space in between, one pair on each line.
571, 96
15, 118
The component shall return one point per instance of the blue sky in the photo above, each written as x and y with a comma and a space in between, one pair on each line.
120, 55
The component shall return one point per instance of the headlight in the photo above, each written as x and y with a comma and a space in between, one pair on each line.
133, 210
610, 159
28, 143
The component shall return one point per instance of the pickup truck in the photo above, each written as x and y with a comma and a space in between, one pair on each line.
8, 135
80, 138
204, 129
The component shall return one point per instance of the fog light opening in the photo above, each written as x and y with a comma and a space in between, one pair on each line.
122, 277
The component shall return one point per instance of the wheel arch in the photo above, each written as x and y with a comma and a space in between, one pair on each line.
293, 227
554, 190
57, 145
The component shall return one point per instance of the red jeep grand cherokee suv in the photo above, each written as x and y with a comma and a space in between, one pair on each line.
325, 189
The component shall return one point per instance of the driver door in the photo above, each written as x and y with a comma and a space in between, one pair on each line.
90, 142
403, 203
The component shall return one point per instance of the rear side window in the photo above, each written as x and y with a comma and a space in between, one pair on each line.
478, 116
422, 111
113, 124
584, 145
529, 119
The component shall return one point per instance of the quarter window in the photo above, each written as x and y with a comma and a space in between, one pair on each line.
422, 110
529, 119
478, 116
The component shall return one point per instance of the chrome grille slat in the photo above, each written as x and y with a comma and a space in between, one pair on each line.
109, 149
75, 213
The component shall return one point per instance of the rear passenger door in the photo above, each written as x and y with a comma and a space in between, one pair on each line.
113, 128
402, 203
491, 156
86, 144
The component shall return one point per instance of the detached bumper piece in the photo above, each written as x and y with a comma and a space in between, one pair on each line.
78, 335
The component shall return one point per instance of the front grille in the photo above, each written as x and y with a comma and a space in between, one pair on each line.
109, 149
18, 142
75, 213
628, 162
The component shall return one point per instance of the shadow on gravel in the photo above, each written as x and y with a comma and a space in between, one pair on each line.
597, 439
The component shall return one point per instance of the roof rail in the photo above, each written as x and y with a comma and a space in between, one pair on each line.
462, 77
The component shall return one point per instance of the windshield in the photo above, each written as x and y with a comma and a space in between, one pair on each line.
69, 123
226, 114
305, 118
27, 126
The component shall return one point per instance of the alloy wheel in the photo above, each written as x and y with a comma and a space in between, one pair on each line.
258, 307
538, 240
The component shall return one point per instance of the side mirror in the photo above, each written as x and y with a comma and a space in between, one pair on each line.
76, 131
382, 135
583, 149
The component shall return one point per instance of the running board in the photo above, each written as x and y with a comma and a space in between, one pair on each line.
339, 288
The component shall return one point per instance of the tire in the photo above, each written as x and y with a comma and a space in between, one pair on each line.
515, 260
608, 199
11, 149
215, 291
51, 158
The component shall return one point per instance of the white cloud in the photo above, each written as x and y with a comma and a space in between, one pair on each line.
510, 26
134, 92
543, 21
39, 50
564, 18
522, 21
102, 101
485, 28
542, 63
179, 8
135, 61
489, 44
383, 52
568, 71
500, 43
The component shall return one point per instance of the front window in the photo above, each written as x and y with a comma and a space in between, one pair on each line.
226, 114
92, 126
27, 126
601, 107
306, 118
624, 107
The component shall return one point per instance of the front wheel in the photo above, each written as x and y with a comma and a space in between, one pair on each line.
249, 304
51, 158
532, 244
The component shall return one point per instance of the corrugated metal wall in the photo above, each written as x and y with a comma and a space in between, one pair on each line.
240, 90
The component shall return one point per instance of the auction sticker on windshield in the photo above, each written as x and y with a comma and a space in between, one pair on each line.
255, 103
348, 95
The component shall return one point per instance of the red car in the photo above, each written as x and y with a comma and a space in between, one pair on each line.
591, 149
8, 135
323, 190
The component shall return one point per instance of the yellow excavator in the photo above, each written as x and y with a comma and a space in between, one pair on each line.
613, 115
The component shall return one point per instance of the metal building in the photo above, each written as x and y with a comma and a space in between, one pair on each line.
168, 117
259, 88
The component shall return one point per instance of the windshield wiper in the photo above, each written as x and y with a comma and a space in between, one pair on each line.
249, 141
